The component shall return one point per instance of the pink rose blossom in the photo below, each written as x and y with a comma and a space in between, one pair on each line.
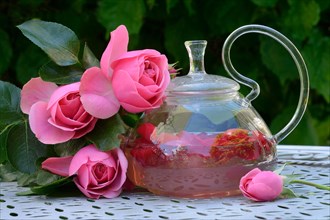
97, 173
140, 79
135, 80
261, 186
96, 89
56, 114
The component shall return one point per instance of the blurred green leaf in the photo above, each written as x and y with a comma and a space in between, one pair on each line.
8, 173
323, 129
280, 169
170, 4
78, 4
25, 179
70, 148
10, 112
287, 193
106, 133
189, 6
3, 146
130, 119
265, 3
29, 3
301, 17
5, 51
150, 3
278, 60
45, 177
48, 188
89, 59
304, 134
59, 42
28, 63
289, 178
227, 15
23, 148
317, 56
60, 74
324, 4
112, 13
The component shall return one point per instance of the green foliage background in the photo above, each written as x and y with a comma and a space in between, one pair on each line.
164, 25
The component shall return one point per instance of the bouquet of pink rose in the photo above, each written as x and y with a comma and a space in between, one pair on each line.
75, 112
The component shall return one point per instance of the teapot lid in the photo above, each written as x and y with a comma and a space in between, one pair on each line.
197, 81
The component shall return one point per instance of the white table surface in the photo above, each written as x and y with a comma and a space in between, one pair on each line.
312, 162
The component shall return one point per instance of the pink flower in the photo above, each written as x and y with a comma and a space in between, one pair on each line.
140, 79
96, 90
97, 173
56, 114
261, 186
136, 80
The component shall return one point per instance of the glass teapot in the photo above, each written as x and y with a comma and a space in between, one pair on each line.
206, 135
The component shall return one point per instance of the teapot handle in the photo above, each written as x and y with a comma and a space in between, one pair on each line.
299, 61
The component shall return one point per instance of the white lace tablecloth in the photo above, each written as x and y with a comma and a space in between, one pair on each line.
312, 162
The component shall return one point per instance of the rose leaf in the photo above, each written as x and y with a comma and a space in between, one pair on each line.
59, 42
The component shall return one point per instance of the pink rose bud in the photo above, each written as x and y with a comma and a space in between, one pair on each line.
261, 186
172, 70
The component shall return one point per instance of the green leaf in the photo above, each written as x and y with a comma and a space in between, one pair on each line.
170, 4
106, 133
150, 3
7, 173
29, 62
301, 18
189, 6
89, 59
46, 189
279, 170
288, 193
316, 54
10, 112
25, 179
3, 145
29, 3
44, 177
289, 178
60, 74
59, 42
130, 119
323, 4
70, 148
5, 51
23, 148
265, 3
278, 60
227, 15
323, 130
112, 13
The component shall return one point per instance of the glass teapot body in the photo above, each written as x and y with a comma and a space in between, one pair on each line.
206, 135
199, 146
